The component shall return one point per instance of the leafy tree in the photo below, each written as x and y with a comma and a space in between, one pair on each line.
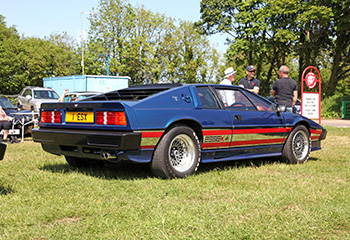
259, 31
188, 57
65, 60
271, 33
340, 77
46, 58
148, 47
10, 58
110, 34
26, 61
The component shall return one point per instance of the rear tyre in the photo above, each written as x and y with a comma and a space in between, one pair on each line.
298, 146
178, 153
82, 162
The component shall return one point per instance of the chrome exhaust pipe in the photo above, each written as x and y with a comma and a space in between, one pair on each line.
107, 155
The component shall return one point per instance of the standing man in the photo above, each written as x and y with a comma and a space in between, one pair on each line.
230, 75
249, 82
227, 96
285, 89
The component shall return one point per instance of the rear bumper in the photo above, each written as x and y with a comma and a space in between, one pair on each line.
85, 143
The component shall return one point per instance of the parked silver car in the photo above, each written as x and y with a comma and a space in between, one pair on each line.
31, 98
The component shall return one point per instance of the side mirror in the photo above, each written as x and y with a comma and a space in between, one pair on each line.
28, 97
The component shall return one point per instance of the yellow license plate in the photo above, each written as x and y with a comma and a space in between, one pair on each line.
80, 117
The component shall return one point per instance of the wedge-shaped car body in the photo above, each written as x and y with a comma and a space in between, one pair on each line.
175, 128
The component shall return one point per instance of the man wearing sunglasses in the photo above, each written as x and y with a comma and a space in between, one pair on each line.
249, 82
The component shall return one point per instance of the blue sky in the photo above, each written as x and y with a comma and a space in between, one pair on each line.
40, 18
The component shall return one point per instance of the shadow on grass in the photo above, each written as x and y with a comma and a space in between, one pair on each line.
132, 171
313, 159
125, 171
4, 190
256, 163
238, 164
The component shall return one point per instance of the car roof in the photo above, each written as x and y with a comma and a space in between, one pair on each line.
38, 88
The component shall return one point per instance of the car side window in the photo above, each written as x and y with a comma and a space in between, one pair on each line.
235, 100
27, 92
207, 98
259, 103
51, 94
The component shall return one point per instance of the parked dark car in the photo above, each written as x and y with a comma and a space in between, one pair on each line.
174, 128
21, 118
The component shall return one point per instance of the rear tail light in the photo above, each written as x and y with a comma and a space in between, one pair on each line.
111, 118
50, 117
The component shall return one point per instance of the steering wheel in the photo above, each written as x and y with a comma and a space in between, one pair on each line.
238, 104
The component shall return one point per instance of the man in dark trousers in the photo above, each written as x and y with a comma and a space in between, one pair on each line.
249, 82
285, 89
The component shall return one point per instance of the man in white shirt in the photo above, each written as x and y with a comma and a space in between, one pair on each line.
227, 96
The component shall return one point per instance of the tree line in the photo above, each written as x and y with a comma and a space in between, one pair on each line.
26, 61
150, 47
298, 33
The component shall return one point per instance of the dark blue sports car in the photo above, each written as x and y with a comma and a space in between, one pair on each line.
175, 127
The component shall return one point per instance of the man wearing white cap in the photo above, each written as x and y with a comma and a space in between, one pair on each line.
227, 96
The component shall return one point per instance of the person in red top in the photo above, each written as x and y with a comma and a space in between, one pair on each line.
5, 123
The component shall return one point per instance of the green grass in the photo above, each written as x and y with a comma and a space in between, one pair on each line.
41, 197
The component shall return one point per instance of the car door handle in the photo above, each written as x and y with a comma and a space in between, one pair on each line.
238, 117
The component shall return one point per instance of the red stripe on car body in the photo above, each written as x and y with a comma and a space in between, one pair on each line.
151, 134
260, 141
261, 130
216, 132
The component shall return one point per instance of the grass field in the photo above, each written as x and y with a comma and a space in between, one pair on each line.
41, 197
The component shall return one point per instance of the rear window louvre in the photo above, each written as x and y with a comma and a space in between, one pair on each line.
135, 93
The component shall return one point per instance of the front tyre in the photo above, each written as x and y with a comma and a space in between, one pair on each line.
178, 153
298, 146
